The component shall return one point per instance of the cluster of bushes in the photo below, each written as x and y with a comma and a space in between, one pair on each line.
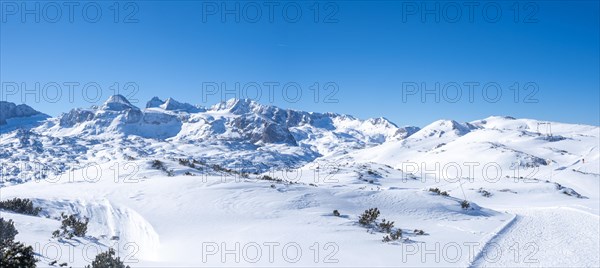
12, 253
195, 164
22, 206
484, 193
387, 227
361, 177
71, 226
369, 219
278, 180
157, 164
269, 178
369, 181
373, 173
393, 236
437, 191
219, 168
186, 162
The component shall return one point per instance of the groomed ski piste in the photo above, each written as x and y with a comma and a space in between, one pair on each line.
256, 196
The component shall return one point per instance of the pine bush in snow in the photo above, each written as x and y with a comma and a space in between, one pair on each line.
107, 260
7, 231
71, 226
16, 254
13, 254
369, 216
22, 206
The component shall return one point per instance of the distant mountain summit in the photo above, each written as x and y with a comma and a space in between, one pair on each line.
9, 110
118, 103
172, 105
232, 132
235, 120
13, 117
244, 133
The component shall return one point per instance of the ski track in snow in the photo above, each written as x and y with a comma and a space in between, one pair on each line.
545, 237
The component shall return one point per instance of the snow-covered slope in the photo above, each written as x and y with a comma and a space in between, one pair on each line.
176, 184
496, 148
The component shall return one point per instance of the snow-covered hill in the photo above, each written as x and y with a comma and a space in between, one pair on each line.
175, 184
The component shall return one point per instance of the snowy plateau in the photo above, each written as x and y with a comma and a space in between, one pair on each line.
244, 184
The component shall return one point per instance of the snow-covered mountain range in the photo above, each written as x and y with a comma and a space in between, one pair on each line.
527, 181
237, 132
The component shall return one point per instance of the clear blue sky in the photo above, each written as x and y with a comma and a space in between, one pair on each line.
369, 49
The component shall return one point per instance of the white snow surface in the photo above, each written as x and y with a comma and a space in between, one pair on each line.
533, 188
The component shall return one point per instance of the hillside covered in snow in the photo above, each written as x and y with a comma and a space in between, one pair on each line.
245, 184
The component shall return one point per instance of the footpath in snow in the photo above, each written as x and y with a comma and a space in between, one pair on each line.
545, 237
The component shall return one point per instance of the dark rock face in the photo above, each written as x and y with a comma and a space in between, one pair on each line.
10, 110
405, 132
154, 103
173, 105
76, 116
274, 133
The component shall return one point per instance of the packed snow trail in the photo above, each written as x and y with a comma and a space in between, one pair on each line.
545, 237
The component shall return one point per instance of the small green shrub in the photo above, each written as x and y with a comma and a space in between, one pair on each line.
187, 163
484, 193
438, 191
71, 226
107, 260
465, 204
157, 164
434, 190
369, 216
393, 236
17, 254
386, 226
419, 232
7, 232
